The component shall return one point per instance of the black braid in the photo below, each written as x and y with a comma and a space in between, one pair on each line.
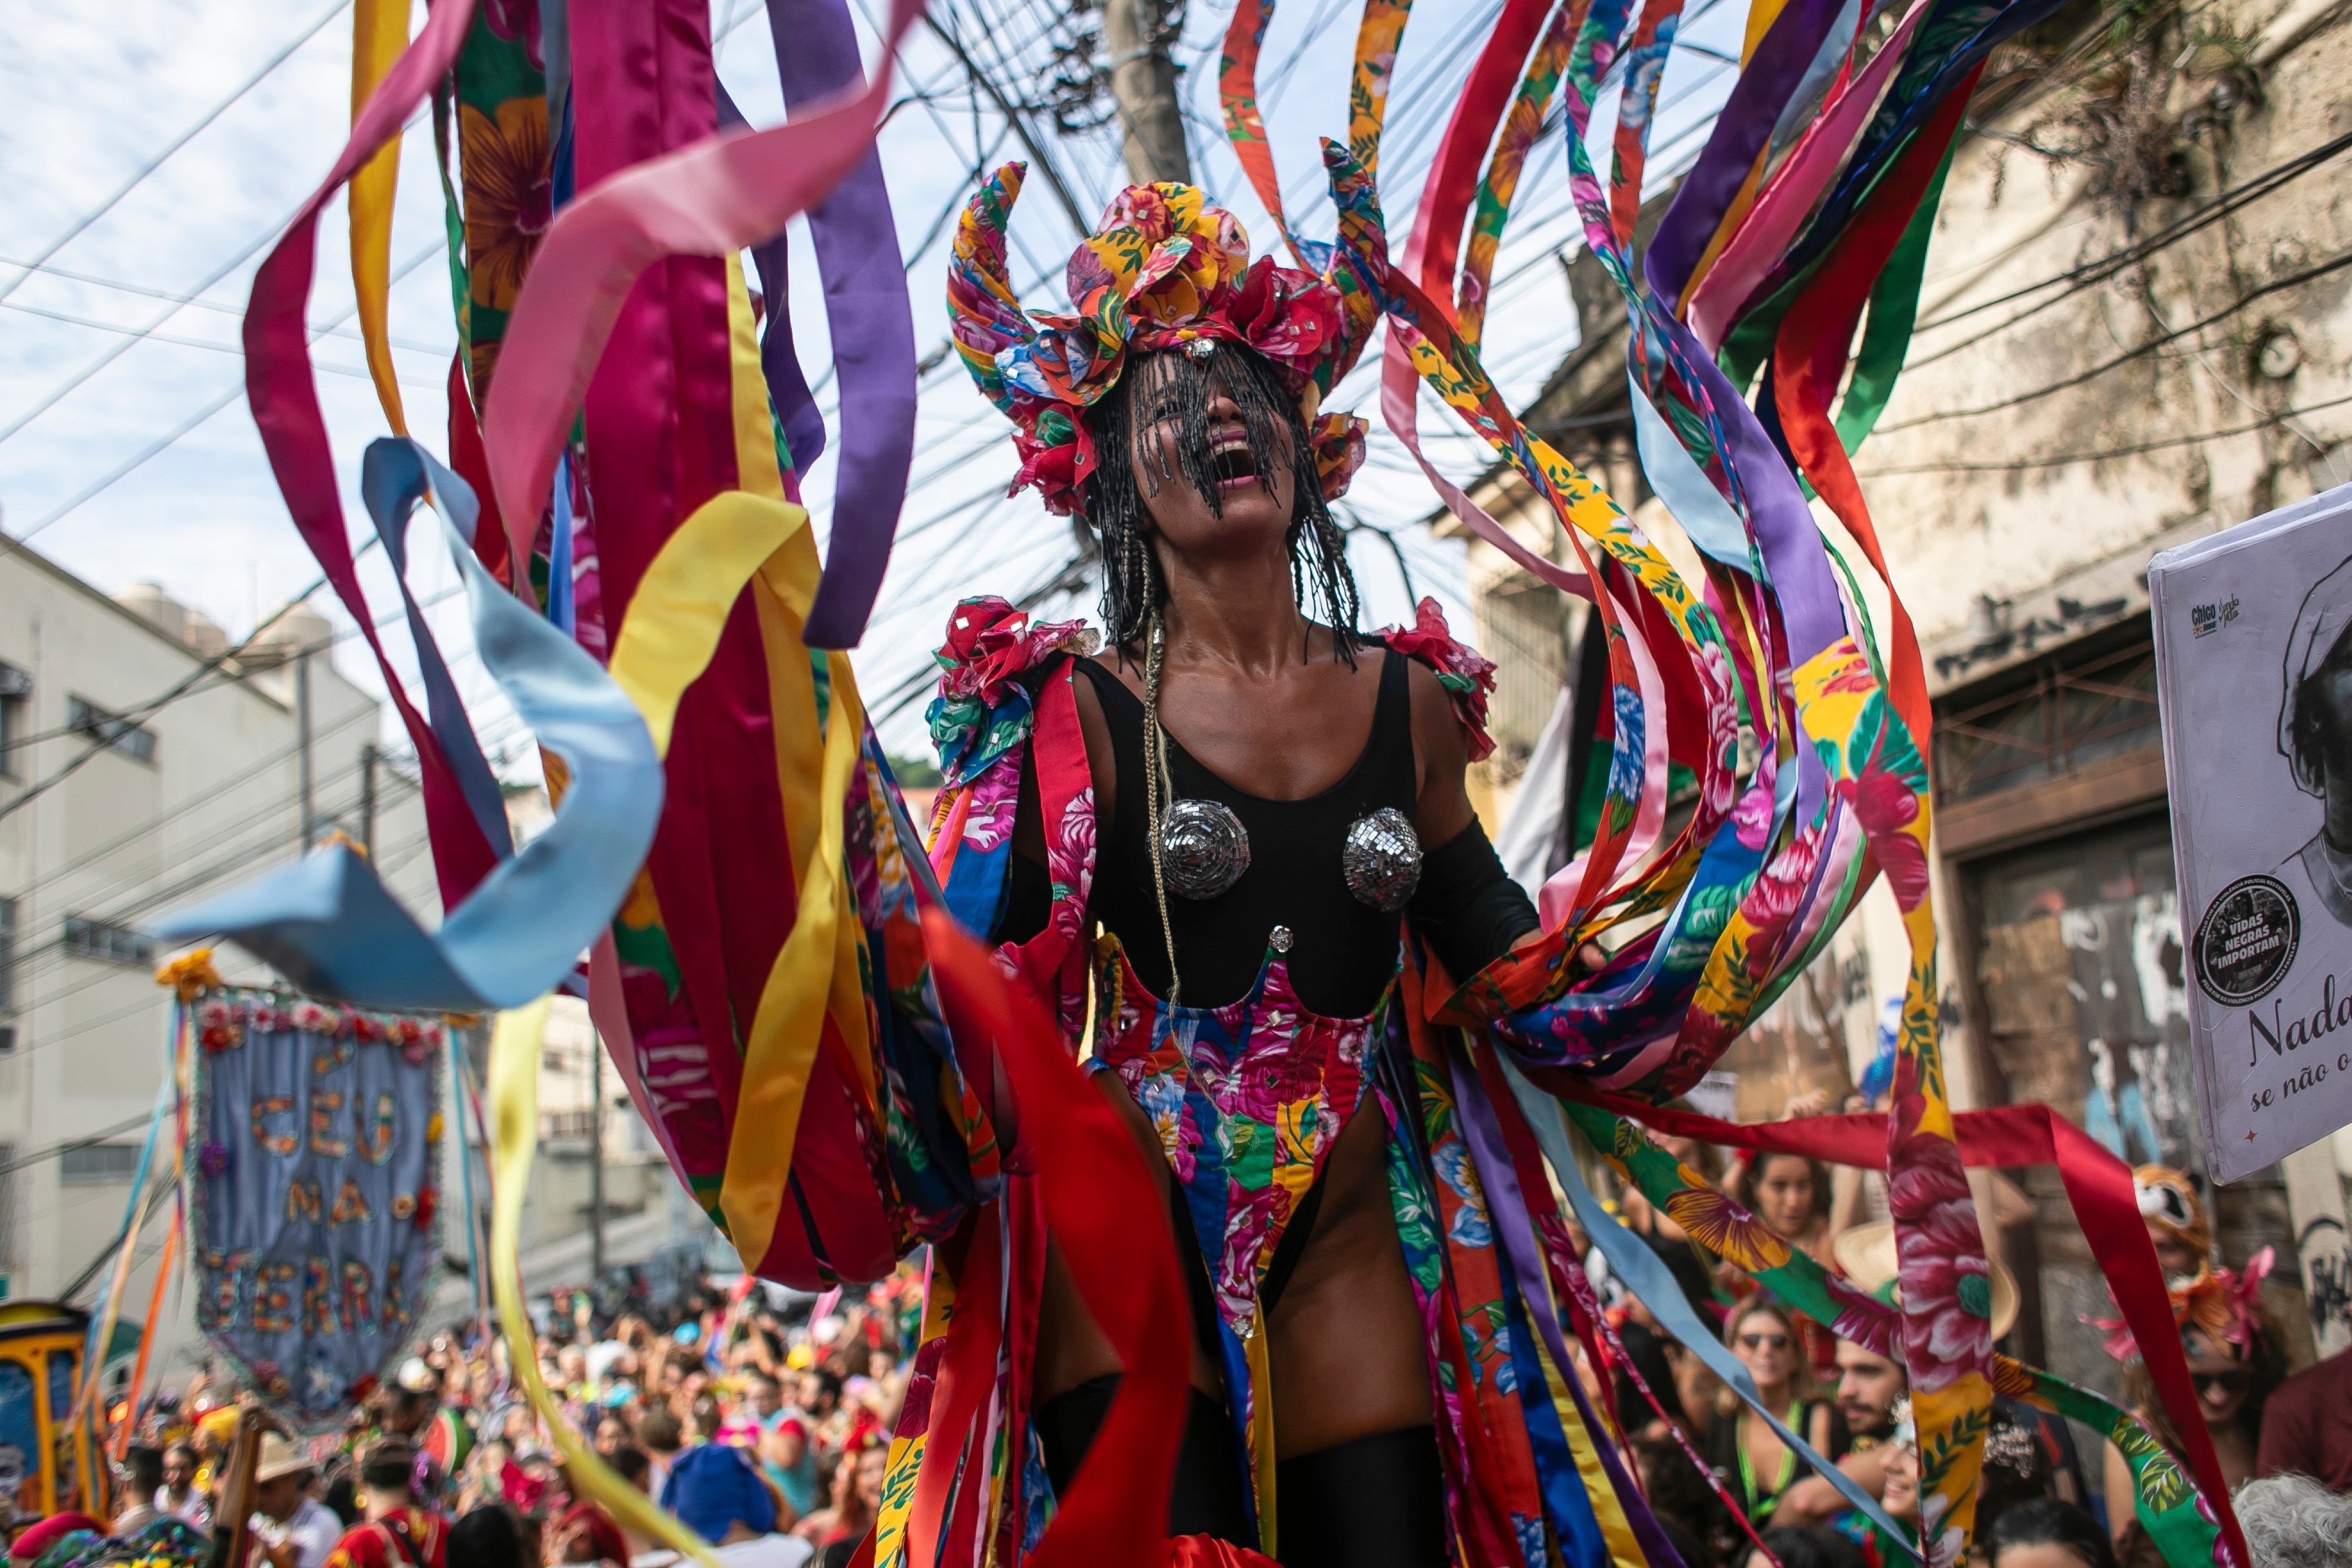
1114, 500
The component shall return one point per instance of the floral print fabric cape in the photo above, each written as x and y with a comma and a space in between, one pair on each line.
1247, 1099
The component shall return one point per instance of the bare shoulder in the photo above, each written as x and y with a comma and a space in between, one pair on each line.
1437, 728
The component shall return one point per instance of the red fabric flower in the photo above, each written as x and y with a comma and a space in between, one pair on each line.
1467, 677
990, 644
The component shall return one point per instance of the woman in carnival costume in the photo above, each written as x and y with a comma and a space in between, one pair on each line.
2233, 1350
1218, 827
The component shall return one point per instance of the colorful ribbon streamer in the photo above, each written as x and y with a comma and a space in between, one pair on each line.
328, 923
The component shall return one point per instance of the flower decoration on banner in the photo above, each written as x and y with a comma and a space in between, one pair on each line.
2225, 1303
217, 1029
1164, 269
191, 974
312, 1186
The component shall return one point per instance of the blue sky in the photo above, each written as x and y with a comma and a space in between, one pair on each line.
96, 94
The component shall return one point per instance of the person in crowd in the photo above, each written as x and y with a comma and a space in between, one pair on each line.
292, 1529
490, 1536
764, 1395
717, 1491
141, 1474
612, 1431
395, 1530
2292, 1522
2236, 1356
179, 1495
1744, 1450
820, 1396
1791, 1196
856, 1495
790, 1462
2306, 1425
1806, 1546
662, 1438
1681, 1497
2046, 1533
1869, 1389
583, 1532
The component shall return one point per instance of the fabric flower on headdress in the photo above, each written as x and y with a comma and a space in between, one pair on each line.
2225, 1304
1164, 269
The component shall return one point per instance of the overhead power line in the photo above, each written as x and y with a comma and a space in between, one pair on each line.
229, 394
84, 1142
60, 393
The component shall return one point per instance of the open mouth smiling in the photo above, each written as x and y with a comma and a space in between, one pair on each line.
1231, 462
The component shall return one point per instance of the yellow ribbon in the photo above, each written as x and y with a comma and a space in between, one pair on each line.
379, 34
514, 1130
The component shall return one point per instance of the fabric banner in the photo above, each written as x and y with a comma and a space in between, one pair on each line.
313, 1196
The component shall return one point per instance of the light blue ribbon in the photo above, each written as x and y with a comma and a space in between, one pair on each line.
1653, 1284
329, 923
1688, 494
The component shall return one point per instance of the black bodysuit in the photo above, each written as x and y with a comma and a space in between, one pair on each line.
1377, 1502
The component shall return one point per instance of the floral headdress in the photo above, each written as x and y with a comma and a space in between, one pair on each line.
2226, 1304
1163, 270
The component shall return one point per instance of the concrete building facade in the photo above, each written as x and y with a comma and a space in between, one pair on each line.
113, 808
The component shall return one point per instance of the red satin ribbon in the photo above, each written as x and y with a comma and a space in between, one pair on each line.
1096, 1191
465, 456
284, 395
2098, 1187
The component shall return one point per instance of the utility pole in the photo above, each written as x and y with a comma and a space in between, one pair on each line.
1143, 85
595, 1162
304, 805
368, 757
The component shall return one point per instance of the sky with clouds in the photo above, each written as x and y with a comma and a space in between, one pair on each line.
123, 342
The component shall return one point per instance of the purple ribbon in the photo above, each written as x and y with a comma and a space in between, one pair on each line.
1739, 133
788, 388
873, 332
1506, 1208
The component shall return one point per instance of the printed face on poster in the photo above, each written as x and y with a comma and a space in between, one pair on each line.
2254, 668
314, 1193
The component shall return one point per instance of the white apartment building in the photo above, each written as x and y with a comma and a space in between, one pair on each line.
111, 813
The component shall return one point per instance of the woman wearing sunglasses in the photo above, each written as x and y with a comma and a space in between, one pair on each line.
1756, 1466
2235, 1353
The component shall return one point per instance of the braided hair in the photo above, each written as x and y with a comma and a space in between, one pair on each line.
1114, 505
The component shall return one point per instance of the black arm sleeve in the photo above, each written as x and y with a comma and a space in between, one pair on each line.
1028, 900
1466, 908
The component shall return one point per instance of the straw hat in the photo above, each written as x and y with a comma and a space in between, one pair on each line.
1866, 1253
277, 1458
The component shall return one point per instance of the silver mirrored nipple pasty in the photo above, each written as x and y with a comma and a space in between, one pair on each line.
1381, 860
1204, 848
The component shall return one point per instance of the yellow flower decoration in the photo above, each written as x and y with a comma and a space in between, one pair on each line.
1718, 1225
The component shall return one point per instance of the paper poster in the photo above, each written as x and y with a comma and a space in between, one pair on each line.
2254, 674
314, 1129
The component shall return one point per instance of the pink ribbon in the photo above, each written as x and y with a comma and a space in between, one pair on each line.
711, 198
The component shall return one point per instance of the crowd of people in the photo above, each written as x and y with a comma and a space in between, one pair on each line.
1725, 1484
767, 1433
766, 1437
